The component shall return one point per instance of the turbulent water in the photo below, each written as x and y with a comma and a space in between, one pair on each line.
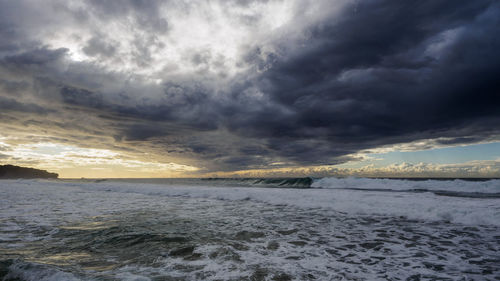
250, 229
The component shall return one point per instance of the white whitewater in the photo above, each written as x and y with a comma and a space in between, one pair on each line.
340, 229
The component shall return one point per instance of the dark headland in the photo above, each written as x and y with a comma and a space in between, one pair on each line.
16, 172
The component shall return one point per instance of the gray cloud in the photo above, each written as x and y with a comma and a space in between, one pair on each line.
146, 14
368, 79
97, 46
7, 104
386, 72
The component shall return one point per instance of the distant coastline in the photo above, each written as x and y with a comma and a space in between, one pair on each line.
17, 172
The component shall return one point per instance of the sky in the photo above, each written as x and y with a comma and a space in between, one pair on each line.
285, 88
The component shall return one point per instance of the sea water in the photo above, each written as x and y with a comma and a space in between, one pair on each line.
249, 229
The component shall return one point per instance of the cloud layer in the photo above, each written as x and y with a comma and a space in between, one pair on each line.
240, 85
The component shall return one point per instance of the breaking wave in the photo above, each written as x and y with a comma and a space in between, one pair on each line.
467, 188
247, 229
270, 182
303, 182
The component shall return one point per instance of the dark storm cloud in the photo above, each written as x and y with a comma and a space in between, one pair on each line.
81, 97
35, 57
14, 37
8, 104
85, 110
371, 79
380, 72
142, 132
13, 87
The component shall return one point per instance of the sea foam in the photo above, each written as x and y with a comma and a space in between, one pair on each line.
118, 230
339, 195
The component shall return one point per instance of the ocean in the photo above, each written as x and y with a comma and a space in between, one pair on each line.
250, 229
